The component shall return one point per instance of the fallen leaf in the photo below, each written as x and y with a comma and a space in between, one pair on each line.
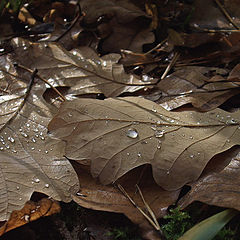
192, 85
81, 69
30, 161
219, 184
117, 135
120, 24
30, 212
108, 198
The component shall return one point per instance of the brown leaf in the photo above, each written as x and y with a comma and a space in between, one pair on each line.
191, 85
81, 69
108, 198
117, 135
219, 186
30, 212
120, 24
30, 161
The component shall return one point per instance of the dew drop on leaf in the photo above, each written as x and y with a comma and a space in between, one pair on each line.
132, 133
159, 134
11, 139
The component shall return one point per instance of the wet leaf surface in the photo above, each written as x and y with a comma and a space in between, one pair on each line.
81, 69
219, 185
30, 212
30, 161
117, 135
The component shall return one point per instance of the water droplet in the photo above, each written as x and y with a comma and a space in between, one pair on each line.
42, 138
154, 127
104, 63
172, 121
32, 148
154, 110
28, 125
17, 187
10, 139
24, 134
47, 185
34, 140
74, 52
191, 137
159, 145
36, 135
168, 172
70, 114
158, 122
14, 151
1, 148
128, 154
39, 150
7, 147
36, 180
159, 134
20, 199
26, 218
228, 140
46, 151
191, 156
35, 130
144, 142
146, 78
132, 133
139, 154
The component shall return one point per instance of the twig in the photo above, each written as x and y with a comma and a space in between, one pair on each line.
44, 80
29, 87
170, 65
149, 209
226, 14
158, 46
139, 209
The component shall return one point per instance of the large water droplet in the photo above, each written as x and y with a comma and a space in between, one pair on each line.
47, 185
11, 139
24, 134
132, 133
159, 133
139, 154
36, 180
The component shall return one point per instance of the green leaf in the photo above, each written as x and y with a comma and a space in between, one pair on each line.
208, 228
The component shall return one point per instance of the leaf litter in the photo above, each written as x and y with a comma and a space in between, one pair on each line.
114, 138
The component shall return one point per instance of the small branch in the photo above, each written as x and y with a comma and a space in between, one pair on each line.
226, 14
149, 210
156, 47
170, 65
139, 209
44, 80
29, 87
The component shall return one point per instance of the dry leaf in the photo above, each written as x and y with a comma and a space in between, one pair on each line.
108, 198
30, 161
30, 212
191, 85
120, 24
80, 69
220, 185
117, 135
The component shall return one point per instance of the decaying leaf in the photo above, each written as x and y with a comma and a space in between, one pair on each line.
191, 85
108, 198
81, 69
30, 161
120, 24
219, 185
30, 212
117, 135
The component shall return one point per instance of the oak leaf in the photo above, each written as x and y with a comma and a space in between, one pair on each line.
117, 135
